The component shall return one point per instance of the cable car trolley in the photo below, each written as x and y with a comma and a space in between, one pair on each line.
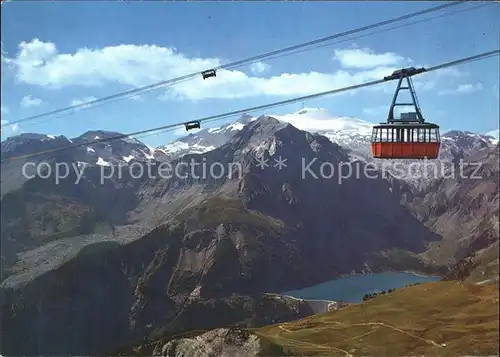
192, 125
209, 73
408, 137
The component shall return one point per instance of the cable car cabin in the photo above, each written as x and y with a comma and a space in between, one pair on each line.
408, 137
192, 125
405, 141
209, 73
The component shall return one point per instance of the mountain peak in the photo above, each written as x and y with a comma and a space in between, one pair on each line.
30, 136
304, 111
494, 136
320, 120
246, 118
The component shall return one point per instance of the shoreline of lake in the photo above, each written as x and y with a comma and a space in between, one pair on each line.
351, 288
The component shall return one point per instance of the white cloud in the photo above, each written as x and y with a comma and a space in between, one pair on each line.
259, 67
462, 89
319, 119
81, 101
9, 129
451, 72
376, 110
494, 133
365, 58
30, 101
137, 97
40, 63
182, 132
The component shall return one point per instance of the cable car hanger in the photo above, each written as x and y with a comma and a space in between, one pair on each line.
239, 63
226, 115
408, 137
192, 125
209, 73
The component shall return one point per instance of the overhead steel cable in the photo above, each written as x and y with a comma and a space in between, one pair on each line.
384, 30
287, 54
260, 107
238, 63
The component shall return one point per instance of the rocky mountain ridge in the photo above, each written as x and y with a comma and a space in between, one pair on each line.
351, 133
151, 253
197, 239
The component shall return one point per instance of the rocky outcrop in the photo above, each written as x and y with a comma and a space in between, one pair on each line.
215, 343
463, 209
205, 248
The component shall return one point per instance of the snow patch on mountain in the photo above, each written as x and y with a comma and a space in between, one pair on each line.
127, 159
352, 134
203, 140
319, 120
101, 162
494, 136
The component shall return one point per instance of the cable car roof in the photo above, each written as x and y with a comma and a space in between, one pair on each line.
406, 125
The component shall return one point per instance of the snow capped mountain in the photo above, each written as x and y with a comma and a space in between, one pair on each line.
456, 140
84, 149
111, 151
202, 141
494, 136
319, 120
350, 133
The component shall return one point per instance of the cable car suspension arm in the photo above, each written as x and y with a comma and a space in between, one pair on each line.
261, 107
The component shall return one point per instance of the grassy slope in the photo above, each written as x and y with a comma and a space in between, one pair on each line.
412, 321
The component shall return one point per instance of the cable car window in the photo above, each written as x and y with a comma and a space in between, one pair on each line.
433, 135
384, 135
421, 135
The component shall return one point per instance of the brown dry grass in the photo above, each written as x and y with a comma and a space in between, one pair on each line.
432, 319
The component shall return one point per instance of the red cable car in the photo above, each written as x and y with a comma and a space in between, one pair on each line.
408, 137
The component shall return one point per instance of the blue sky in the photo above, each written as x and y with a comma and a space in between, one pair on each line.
59, 53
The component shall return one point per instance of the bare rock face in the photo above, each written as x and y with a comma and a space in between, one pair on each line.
197, 241
464, 210
215, 343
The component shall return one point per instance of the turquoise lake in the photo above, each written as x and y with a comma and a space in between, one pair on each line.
352, 288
